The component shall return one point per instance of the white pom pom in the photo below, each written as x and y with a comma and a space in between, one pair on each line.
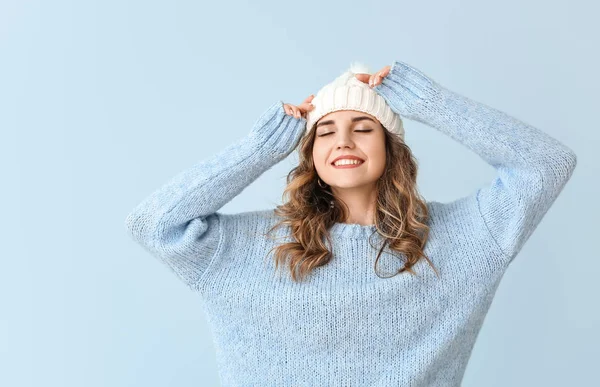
348, 75
359, 68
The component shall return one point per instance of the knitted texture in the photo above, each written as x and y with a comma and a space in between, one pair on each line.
344, 325
346, 92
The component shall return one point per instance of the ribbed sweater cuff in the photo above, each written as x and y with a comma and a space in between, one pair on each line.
276, 132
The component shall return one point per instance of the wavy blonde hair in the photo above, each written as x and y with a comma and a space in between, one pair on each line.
401, 214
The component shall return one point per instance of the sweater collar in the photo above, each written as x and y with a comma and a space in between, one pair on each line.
352, 230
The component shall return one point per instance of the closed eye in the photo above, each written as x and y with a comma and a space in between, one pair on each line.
363, 130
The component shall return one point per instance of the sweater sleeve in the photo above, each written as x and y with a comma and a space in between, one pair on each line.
180, 224
531, 167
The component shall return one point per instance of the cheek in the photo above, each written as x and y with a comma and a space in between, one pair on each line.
377, 156
319, 158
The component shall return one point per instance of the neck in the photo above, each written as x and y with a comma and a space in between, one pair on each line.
361, 202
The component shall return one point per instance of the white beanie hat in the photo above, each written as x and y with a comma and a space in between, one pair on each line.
348, 93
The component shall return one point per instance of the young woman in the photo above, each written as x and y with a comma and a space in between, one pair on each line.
382, 287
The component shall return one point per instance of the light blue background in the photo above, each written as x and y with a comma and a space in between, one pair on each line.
101, 102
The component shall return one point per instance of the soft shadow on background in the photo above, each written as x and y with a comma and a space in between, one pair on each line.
101, 102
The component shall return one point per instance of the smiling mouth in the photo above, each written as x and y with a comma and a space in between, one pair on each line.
353, 165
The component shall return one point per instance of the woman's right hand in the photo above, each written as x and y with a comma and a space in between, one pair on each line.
300, 110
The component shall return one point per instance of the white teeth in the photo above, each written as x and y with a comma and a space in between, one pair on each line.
347, 162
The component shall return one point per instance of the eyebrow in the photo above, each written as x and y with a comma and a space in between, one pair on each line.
354, 119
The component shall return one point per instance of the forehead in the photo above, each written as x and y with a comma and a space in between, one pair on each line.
344, 115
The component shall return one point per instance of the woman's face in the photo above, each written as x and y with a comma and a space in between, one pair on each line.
349, 132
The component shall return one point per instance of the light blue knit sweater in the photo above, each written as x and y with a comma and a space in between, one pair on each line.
344, 325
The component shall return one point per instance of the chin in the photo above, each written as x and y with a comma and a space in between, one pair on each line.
350, 184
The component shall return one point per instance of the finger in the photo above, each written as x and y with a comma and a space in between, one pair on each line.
309, 98
306, 106
377, 79
296, 112
372, 80
384, 72
289, 110
362, 77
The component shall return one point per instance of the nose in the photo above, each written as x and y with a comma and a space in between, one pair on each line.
344, 141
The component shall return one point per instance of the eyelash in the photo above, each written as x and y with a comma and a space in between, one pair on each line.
363, 130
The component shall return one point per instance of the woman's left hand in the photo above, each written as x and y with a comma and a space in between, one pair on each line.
411, 94
374, 79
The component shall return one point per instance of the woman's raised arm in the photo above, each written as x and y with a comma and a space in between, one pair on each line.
179, 223
532, 167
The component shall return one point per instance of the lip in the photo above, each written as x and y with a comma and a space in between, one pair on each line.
347, 165
347, 157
